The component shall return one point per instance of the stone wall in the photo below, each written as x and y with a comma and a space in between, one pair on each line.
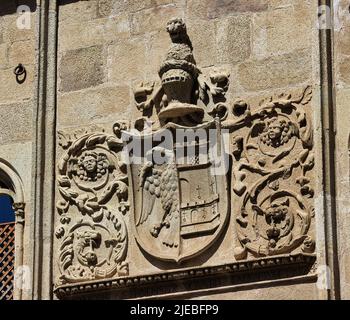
107, 50
105, 46
17, 103
342, 85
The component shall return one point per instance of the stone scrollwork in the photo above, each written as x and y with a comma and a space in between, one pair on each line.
93, 188
271, 176
204, 168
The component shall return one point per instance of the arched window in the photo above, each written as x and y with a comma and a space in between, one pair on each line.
7, 245
11, 231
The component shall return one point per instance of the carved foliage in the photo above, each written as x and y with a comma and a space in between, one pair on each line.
271, 165
93, 188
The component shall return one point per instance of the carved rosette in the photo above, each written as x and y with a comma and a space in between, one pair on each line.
271, 176
93, 188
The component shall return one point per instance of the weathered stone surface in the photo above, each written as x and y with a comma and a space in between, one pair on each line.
343, 45
19, 155
86, 107
344, 71
279, 31
296, 291
234, 39
82, 68
275, 72
73, 11
100, 31
110, 7
21, 52
211, 9
11, 91
104, 8
3, 56
126, 60
204, 41
16, 122
154, 19
11, 31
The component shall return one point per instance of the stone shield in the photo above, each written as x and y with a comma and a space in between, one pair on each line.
179, 200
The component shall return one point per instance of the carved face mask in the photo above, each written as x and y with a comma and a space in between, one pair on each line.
274, 131
90, 164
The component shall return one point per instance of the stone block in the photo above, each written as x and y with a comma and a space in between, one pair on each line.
73, 11
344, 71
11, 91
22, 52
97, 32
111, 8
127, 60
154, 19
16, 122
11, 31
84, 107
203, 38
212, 9
3, 56
276, 72
146, 4
233, 37
302, 291
82, 68
281, 31
19, 154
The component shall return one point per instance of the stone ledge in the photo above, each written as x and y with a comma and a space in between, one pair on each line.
277, 267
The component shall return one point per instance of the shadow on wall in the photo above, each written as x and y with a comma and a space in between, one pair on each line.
61, 2
10, 6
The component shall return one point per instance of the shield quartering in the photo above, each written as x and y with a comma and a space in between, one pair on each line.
180, 195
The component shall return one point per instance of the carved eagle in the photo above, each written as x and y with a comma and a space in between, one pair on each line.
160, 181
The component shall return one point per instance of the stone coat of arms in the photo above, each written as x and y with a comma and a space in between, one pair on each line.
191, 172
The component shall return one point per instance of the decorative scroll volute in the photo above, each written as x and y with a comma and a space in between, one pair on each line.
93, 188
272, 159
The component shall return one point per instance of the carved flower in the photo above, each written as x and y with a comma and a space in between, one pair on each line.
119, 127
241, 108
59, 232
123, 207
64, 219
305, 188
274, 185
308, 245
62, 206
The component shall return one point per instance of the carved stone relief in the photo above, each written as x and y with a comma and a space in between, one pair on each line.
271, 176
176, 197
177, 203
93, 188
184, 95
